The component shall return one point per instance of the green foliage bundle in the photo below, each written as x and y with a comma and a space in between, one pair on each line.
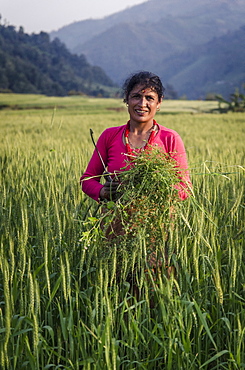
140, 220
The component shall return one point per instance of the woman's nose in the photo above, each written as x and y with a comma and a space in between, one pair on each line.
142, 101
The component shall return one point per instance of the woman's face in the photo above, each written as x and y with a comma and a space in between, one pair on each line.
143, 104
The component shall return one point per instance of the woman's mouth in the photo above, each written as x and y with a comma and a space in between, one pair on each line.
140, 111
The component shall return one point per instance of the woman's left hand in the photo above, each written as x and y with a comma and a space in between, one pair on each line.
109, 191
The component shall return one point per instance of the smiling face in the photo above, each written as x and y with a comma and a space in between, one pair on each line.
142, 105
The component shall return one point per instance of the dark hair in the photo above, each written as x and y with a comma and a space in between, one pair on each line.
147, 80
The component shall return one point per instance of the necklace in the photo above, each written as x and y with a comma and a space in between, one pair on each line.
131, 151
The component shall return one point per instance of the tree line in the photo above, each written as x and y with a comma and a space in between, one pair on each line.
35, 64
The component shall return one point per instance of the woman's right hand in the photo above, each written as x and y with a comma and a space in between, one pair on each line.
109, 191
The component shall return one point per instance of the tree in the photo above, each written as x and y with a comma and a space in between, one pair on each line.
235, 104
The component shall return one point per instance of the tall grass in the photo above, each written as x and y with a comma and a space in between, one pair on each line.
61, 304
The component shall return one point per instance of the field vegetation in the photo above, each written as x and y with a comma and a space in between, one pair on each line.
62, 305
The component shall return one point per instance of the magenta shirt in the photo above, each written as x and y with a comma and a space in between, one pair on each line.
113, 151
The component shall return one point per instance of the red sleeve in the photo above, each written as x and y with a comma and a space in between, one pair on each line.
178, 153
90, 180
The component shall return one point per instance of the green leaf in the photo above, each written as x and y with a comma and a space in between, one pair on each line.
204, 323
214, 358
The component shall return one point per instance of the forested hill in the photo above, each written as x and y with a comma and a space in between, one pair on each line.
35, 64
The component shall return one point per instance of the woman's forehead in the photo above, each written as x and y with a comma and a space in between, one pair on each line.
142, 89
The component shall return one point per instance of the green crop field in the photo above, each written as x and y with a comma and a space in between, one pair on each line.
62, 305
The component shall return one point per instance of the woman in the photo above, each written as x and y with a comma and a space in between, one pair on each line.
143, 94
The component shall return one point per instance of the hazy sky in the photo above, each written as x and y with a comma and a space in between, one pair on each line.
49, 15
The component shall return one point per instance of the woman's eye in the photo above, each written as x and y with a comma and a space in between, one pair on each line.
138, 96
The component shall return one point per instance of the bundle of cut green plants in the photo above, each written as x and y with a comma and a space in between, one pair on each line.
135, 228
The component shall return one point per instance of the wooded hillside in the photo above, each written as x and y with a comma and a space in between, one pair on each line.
35, 64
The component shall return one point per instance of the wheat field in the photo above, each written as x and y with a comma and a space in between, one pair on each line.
61, 304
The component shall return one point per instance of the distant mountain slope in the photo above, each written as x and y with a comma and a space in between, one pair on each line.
216, 67
34, 64
145, 35
151, 11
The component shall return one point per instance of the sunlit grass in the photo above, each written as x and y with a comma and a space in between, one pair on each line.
22, 101
60, 306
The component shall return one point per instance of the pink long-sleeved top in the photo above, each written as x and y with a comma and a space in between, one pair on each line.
113, 151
